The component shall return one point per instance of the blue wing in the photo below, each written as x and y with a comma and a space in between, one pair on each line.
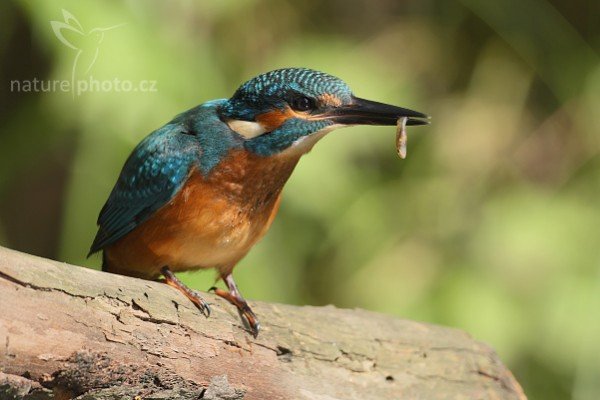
154, 172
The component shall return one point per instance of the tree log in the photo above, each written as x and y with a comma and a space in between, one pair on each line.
70, 332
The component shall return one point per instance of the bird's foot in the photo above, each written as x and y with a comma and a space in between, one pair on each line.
172, 280
234, 297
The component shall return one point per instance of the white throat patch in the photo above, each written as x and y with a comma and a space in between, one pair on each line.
252, 129
248, 129
306, 143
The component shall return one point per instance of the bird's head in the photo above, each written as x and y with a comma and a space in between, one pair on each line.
295, 107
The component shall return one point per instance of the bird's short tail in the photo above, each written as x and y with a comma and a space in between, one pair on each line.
104, 262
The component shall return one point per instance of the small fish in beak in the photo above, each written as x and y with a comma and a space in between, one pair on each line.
401, 137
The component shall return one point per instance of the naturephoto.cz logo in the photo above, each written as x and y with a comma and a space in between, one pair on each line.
86, 47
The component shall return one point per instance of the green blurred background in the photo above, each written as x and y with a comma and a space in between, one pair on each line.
491, 225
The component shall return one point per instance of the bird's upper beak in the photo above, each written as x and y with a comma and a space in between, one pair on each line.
367, 112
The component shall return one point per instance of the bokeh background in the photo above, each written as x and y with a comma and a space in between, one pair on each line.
491, 225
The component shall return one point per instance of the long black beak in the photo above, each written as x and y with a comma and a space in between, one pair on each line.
367, 112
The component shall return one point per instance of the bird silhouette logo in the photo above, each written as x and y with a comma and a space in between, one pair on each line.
86, 44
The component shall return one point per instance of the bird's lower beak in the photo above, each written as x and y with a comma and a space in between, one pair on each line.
367, 112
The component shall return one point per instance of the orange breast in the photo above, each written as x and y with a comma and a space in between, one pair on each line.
212, 222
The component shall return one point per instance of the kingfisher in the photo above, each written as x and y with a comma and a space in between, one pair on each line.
203, 189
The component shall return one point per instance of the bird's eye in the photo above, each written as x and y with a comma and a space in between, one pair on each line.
302, 103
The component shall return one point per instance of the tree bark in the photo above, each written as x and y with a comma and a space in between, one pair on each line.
71, 332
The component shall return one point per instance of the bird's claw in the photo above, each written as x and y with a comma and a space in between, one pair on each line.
200, 303
194, 296
204, 308
254, 327
242, 306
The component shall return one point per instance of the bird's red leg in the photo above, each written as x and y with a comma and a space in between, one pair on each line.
172, 280
235, 297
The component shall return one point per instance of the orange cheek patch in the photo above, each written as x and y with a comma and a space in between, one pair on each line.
274, 119
330, 100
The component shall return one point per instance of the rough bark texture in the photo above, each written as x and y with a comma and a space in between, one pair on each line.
69, 332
